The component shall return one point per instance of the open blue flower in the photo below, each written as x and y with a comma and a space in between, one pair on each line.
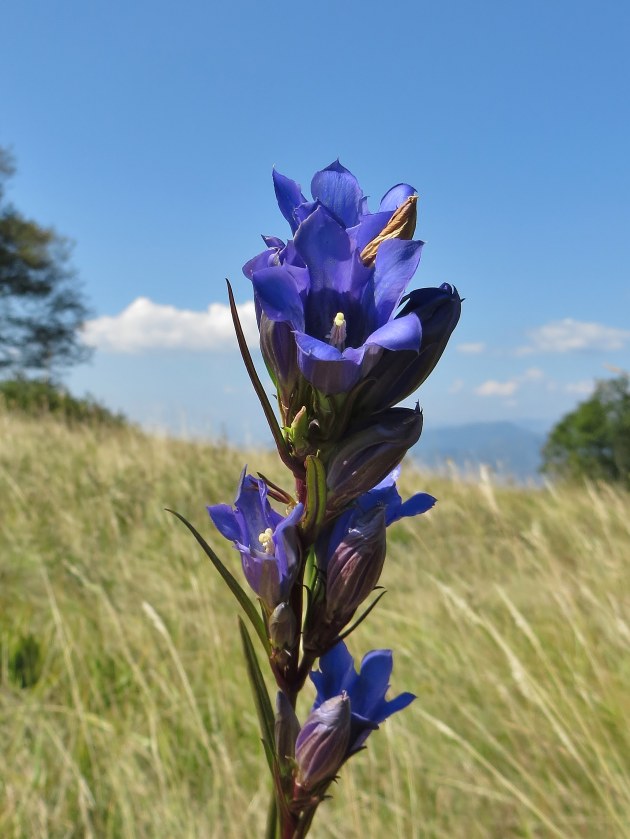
337, 285
269, 543
366, 689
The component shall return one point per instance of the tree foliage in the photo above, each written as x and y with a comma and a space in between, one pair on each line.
41, 305
594, 439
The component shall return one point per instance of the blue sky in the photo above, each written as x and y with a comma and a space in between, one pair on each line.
147, 132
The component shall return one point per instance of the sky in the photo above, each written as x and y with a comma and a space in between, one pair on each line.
147, 131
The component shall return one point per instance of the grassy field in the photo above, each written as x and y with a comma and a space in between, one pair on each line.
124, 708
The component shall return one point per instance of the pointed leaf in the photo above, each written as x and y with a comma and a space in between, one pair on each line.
232, 583
261, 697
362, 618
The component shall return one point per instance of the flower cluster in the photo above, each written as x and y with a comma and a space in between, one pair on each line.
344, 344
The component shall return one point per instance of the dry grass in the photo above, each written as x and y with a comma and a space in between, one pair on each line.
124, 710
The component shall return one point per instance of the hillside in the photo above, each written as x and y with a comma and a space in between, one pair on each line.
124, 710
509, 449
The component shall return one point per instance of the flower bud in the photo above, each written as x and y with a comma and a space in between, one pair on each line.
322, 744
286, 728
369, 454
355, 566
397, 374
277, 345
282, 627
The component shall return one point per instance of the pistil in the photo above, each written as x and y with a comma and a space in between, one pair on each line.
337, 335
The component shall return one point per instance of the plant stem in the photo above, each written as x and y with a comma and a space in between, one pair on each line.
271, 830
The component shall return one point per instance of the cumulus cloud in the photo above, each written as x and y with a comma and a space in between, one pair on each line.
568, 335
145, 325
494, 388
472, 348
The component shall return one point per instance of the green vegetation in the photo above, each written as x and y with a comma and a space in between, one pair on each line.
594, 440
124, 706
37, 398
41, 304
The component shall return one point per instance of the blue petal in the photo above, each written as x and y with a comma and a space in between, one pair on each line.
324, 246
395, 196
339, 191
336, 674
226, 521
277, 293
325, 367
368, 228
396, 263
289, 196
414, 506
398, 703
400, 334
368, 696
287, 545
260, 261
273, 242
253, 511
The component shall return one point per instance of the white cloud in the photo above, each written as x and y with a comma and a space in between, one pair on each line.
533, 374
495, 388
472, 348
582, 388
145, 325
570, 335
457, 386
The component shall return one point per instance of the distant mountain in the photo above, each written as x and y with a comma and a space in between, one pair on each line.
511, 450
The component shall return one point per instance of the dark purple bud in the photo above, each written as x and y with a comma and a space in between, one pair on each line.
369, 454
286, 728
398, 374
322, 744
279, 351
282, 627
355, 566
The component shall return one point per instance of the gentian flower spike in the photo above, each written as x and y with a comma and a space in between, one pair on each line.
269, 543
366, 690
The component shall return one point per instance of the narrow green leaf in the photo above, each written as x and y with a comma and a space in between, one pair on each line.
259, 692
362, 618
232, 583
271, 830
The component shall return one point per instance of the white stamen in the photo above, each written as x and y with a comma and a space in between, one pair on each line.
266, 540
337, 335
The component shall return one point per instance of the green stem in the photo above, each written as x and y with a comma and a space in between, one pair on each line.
271, 830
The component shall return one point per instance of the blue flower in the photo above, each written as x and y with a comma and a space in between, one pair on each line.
337, 286
366, 689
350, 556
269, 543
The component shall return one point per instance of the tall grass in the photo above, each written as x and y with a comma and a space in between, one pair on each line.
124, 708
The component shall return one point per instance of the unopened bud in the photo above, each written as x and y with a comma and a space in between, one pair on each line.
355, 566
282, 626
369, 454
401, 225
322, 744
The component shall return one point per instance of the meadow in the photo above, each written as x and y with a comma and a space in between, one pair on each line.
124, 705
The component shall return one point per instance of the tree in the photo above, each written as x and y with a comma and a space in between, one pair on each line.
41, 305
594, 439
